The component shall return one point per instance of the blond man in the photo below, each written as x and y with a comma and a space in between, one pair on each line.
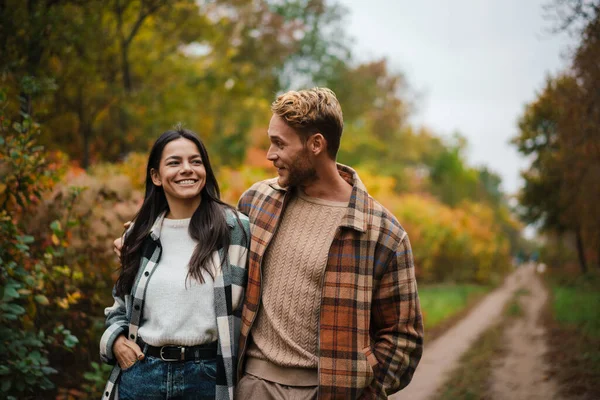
331, 308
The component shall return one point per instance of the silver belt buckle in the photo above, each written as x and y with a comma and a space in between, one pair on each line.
173, 359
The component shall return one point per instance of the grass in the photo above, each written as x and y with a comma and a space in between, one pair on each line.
514, 309
446, 303
577, 307
573, 320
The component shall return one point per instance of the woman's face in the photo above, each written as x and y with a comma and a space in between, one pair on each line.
181, 173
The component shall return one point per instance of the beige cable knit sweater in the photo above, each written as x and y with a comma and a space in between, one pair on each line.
285, 331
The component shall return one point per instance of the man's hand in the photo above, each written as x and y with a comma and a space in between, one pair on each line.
118, 242
126, 352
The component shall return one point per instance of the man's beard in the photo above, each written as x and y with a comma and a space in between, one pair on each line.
301, 172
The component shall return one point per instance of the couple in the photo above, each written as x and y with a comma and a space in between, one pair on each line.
330, 310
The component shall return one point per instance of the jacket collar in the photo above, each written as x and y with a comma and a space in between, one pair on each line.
357, 215
156, 227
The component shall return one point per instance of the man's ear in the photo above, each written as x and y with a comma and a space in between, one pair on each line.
317, 144
155, 177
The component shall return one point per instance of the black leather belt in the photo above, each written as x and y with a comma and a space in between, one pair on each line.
182, 353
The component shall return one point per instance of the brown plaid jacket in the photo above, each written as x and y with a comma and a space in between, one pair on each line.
370, 326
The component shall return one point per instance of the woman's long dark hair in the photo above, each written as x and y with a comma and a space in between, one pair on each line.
208, 225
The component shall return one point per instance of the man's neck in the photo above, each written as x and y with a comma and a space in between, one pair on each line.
329, 186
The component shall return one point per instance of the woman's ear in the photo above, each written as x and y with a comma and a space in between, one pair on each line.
155, 177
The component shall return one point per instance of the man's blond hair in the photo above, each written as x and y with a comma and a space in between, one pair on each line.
311, 111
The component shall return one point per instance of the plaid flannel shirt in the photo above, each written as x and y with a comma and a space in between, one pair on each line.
125, 316
370, 326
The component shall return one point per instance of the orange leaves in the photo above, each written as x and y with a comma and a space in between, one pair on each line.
234, 182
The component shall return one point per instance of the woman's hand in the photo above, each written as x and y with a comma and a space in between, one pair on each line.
126, 352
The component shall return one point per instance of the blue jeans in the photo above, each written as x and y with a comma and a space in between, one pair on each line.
154, 379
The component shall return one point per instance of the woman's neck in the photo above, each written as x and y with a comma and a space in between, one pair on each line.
181, 210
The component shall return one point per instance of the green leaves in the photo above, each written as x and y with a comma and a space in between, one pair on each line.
27, 280
41, 299
10, 291
11, 311
69, 340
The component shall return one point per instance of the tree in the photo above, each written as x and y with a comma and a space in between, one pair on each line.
557, 186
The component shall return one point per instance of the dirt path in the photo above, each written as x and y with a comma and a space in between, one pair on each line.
442, 355
522, 372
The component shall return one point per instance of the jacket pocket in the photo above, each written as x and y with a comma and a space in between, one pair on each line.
371, 359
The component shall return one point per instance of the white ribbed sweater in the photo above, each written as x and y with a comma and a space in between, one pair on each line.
177, 311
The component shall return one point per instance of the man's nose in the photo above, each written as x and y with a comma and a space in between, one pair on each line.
271, 156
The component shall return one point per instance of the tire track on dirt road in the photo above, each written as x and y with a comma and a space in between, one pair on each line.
441, 356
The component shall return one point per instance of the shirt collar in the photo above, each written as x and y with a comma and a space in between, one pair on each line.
156, 227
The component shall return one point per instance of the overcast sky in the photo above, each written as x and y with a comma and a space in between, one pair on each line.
476, 63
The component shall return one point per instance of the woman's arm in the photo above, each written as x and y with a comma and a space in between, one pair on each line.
114, 345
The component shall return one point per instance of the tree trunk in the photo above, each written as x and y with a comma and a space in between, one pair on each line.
86, 132
26, 106
580, 250
125, 64
85, 128
598, 255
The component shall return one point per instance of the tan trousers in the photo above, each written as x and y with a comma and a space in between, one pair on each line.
251, 387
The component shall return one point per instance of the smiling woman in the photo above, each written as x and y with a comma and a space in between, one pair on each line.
182, 176
182, 278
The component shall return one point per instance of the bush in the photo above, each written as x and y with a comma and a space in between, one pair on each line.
461, 244
33, 280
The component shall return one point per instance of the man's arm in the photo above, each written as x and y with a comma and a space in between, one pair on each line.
397, 322
118, 242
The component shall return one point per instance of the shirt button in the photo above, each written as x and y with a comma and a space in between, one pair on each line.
146, 273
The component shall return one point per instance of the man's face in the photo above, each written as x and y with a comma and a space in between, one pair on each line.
289, 155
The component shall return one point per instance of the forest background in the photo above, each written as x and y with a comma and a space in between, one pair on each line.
87, 86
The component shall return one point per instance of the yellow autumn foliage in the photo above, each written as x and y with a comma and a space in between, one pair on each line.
458, 244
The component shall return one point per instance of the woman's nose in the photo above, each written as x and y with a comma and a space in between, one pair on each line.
185, 166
